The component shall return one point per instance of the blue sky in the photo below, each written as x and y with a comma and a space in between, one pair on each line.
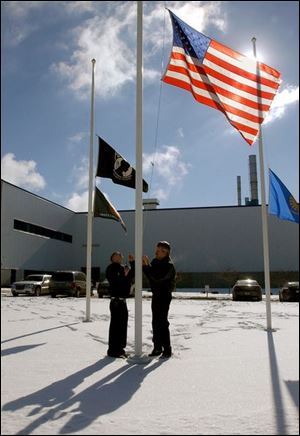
47, 49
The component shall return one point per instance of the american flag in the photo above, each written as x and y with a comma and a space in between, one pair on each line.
222, 78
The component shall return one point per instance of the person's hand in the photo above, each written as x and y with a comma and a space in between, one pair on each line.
126, 270
146, 261
130, 258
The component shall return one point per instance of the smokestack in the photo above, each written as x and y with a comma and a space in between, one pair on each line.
253, 179
239, 195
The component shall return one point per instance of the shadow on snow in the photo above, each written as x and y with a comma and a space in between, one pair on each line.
106, 395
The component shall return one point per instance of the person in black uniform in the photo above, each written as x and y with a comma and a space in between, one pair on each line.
120, 278
161, 275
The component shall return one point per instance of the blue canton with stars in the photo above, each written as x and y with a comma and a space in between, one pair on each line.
194, 43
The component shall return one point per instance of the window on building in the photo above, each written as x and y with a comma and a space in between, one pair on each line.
41, 231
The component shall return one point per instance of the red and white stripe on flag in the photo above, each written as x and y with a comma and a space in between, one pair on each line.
238, 86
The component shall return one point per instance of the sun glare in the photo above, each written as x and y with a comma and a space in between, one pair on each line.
249, 54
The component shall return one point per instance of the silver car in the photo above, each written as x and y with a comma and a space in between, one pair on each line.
34, 284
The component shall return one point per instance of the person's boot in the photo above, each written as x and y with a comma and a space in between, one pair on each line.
155, 352
166, 353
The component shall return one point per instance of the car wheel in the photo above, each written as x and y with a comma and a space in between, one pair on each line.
100, 295
15, 294
37, 291
53, 295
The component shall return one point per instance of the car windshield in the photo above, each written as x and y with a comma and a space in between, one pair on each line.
62, 277
247, 282
34, 278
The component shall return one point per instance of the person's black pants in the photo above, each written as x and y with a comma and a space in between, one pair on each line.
118, 326
160, 324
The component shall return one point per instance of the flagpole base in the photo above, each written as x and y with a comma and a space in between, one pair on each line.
143, 359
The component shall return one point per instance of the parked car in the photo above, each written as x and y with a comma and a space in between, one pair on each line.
70, 283
246, 290
34, 284
289, 292
103, 289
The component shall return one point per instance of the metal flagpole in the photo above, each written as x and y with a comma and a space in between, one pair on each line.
139, 183
90, 206
264, 214
138, 357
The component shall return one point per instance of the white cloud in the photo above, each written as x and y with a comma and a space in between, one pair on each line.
21, 173
278, 108
80, 174
109, 37
22, 22
77, 7
76, 141
180, 132
21, 9
107, 33
104, 39
169, 168
78, 137
197, 14
200, 14
78, 202
284, 98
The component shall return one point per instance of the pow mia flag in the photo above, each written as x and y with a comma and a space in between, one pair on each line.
113, 166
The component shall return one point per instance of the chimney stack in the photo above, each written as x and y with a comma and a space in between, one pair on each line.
239, 195
253, 179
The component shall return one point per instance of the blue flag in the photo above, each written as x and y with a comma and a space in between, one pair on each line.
281, 201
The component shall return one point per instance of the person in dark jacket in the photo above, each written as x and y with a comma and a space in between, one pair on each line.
161, 275
120, 278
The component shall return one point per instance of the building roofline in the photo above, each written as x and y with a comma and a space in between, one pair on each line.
36, 195
132, 210
184, 208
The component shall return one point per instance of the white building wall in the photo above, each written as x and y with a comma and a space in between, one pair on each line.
215, 239
204, 239
20, 250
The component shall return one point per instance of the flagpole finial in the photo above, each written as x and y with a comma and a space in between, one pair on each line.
94, 61
254, 45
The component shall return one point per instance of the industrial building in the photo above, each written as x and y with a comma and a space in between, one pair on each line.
210, 245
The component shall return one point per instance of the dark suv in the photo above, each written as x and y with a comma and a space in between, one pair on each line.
246, 290
70, 283
289, 292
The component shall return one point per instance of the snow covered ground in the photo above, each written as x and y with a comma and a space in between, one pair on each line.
228, 375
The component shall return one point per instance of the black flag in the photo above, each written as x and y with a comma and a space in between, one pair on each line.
104, 209
113, 166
